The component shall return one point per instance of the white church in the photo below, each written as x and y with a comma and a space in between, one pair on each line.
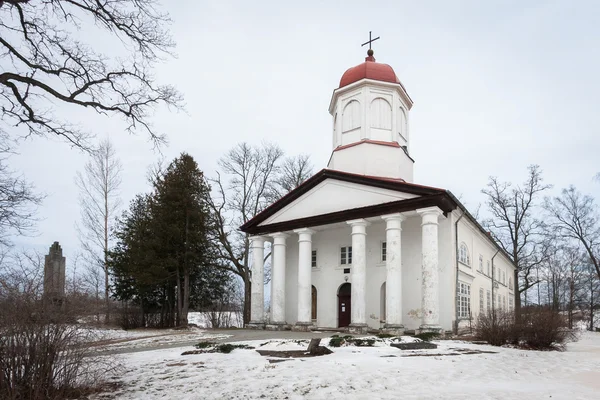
360, 245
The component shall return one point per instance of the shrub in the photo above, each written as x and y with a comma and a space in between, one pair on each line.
497, 328
227, 348
44, 357
384, 335
204, 345
538, 328
544, 329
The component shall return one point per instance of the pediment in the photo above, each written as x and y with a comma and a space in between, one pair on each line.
332, 195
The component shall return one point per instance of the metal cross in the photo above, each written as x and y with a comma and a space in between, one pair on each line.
370, 41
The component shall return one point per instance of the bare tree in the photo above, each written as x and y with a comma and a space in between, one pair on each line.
47, 64
574, 216
250, 178
293, 171
514, 225
99, 202
18, 201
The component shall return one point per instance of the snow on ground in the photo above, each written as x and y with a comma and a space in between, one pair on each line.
115, 339
366, 373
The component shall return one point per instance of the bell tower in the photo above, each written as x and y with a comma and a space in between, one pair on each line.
371, 123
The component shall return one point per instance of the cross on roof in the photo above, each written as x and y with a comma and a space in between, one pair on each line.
370, 41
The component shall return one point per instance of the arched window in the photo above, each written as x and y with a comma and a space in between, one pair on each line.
463, 254
313, 313
351, 116
382, 309
381, 114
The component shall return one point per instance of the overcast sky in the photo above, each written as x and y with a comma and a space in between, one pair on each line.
496, 85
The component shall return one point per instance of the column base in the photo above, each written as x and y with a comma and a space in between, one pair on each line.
277, 326
303, 327
358, 328
393, 329
255, 325
430, 328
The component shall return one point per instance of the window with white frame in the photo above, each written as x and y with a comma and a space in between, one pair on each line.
480, 263
464, 300
510, 286
463, 254
504, 277
313, 259
504, 302
481, 301
510, 303
489, 301
498, 304
383, 251
346, 255
488, 268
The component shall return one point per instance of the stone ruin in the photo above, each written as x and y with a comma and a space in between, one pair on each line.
54, 274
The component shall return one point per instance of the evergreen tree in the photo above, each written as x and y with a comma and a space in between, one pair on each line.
162, 259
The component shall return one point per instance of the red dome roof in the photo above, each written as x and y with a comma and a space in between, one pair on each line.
369, 70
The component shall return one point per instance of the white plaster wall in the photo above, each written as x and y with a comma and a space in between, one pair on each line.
373, 159
479, 244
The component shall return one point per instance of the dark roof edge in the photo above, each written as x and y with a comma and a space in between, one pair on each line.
440, 200
341, 176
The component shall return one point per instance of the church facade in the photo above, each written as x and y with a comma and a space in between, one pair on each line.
361, 246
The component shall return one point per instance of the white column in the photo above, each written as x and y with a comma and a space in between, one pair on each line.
430, 296
257, 311
393, 265
278, 279
358, 319
304, 276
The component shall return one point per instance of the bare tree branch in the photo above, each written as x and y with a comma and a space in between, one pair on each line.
46, 64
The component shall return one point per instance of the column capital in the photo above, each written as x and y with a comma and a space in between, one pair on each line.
358, 222
257, 241
394, 217
430, 215
304, 230
279, 238
304, 234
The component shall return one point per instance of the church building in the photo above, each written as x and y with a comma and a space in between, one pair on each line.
360, 245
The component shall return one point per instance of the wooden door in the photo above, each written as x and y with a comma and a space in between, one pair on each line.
344, 300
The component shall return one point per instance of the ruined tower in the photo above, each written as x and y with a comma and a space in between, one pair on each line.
54, 274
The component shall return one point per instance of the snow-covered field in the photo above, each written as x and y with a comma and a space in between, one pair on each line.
380, 372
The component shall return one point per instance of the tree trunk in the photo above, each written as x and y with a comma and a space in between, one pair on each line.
186, 299
179, 298
106, 233
517, 296
247, 299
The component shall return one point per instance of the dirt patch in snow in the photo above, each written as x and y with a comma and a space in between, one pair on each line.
287, 353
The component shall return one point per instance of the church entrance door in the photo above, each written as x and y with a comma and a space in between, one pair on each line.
344, 305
